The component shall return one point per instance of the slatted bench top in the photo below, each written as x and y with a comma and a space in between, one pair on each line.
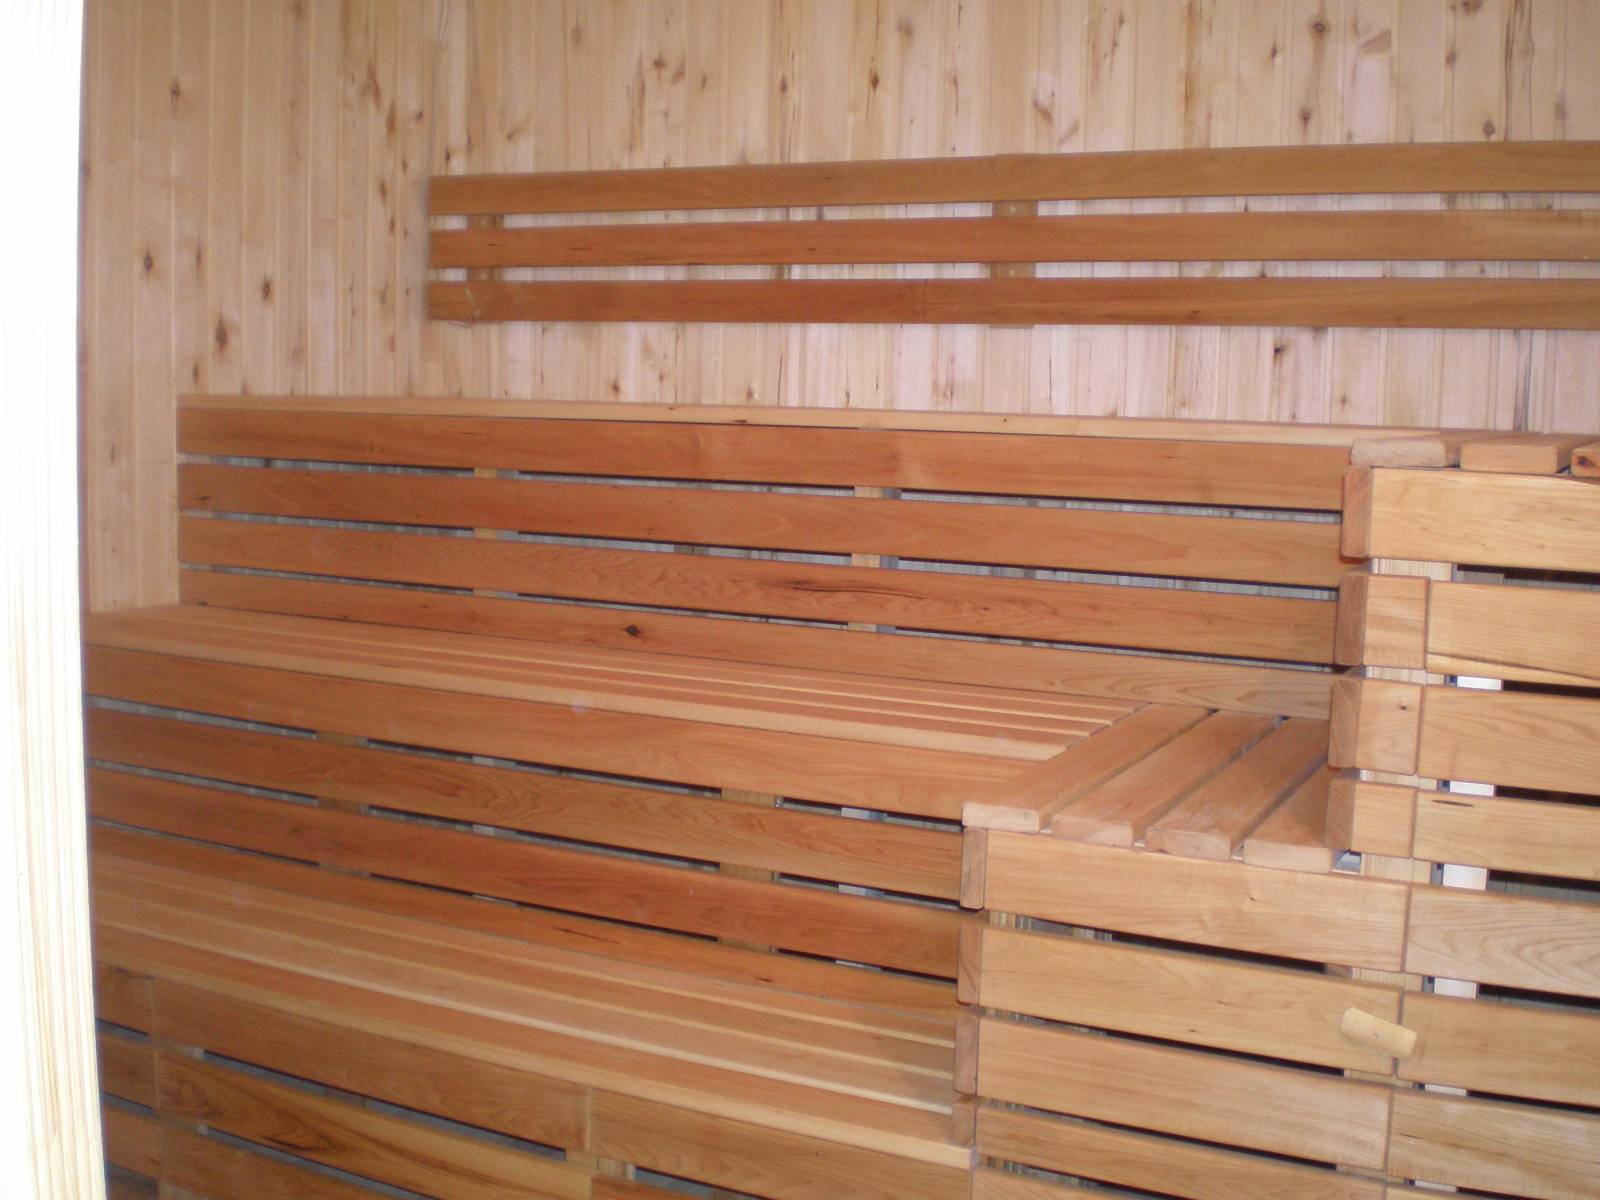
1189, 781
986, 721
849, 1072
831, 737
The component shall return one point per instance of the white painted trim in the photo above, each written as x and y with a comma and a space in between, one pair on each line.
49, 1117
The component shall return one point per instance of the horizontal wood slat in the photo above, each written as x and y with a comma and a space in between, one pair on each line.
1156, 1164
1192, 1094
1517, 1149
870, 853
1288, 552
1368, 302
1511, 738
903, 655
655, 1021
499, 1034
455, 1086
996, 723
1475, 518
1322, 918
1537, 837
1183, 430
1246, 626
819, 922
826, 770
1118, 811
209, 1167
1164, 469
1213, 820
1028, 802
1542, 635
1514, 941
1505, 1049
1422, 167
357, 1139
1181, 997
537, 932
740, 1155
1294, 836
1521, 234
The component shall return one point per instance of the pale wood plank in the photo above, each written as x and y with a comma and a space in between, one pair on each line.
1271, 300
1485, 519
1507, 1049
1245, 626
1294, 836
868, 853
1186, 1093
1028, 802
761, 445
1213, 820
1532, 836
1518, 941
1371, 817
1290, 552
1492, 166
1180, 997
1256, 689
1323, 918
1118, 811
1026, 238
1256, 433
1382, 620
1543, 635
358, 1139
1156, 1164
1500, 1147
1522, 453
821, 922
1527, 740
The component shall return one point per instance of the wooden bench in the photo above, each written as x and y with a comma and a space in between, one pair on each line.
1180, 1037
492, 727
568, 800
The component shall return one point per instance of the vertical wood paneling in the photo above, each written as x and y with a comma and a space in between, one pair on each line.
271, 154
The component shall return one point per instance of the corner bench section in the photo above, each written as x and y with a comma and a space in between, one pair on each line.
624, 751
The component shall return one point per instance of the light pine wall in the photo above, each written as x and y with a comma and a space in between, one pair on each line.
255, 171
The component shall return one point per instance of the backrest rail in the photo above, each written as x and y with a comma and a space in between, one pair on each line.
1160, 471
1284, 552
1360, 303
1459, 235
1247, 171
1198, 622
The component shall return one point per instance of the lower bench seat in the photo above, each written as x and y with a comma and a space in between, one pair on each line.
600, 1046
320, 854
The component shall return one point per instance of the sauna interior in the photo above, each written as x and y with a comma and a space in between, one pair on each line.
842, 599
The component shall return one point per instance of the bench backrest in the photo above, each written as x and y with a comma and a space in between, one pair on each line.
506, 231
1002, 528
